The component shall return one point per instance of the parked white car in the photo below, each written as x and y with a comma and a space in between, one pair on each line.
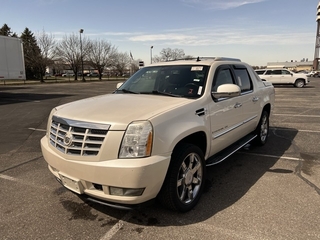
283, 76
155, 135
67, 75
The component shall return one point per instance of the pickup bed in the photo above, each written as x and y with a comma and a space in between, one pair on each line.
154, 136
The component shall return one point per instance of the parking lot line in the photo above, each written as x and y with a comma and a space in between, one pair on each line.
295, 115
271, 156
37, 129
287, 129
116, 227
6, 177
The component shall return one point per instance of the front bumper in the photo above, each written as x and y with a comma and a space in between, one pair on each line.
94, 179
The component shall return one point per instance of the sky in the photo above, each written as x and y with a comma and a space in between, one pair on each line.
256, 31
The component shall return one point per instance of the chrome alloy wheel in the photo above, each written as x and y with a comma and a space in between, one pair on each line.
264, 128
190, 178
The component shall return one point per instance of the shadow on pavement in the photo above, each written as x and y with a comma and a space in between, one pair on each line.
11, 98
230, 181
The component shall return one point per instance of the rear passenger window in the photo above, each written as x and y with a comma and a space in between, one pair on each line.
276, 72
285, 72
243, 79
260, 72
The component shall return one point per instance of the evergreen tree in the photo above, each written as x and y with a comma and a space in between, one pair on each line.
6, 31
32, 54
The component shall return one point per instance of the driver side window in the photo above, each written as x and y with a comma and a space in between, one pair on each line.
224, 76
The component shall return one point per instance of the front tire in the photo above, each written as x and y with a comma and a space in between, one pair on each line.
262, 129
185, 179
299, 83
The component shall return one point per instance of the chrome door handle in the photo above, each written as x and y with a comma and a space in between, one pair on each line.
255, 99
237, 105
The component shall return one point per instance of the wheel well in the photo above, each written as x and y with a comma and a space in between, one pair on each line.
267, 108
302, 79
198, 139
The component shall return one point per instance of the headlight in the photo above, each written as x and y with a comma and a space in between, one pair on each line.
137, 140
49, 121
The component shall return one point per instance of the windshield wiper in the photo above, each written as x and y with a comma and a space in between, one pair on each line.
165, 93
127, 91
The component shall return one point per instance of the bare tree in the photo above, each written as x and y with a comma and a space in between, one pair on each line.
177, 54
69, 51
168, 54
157, 58
121, 62
47, 46
101, 54
134, 66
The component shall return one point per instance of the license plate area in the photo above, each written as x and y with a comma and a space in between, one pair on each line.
71, 183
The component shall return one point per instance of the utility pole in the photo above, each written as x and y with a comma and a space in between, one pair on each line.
151, 54
83, 79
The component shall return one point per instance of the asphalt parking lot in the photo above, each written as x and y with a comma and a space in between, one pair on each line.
272, 192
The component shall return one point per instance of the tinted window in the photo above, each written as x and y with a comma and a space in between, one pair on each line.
285, 72
276, 72
224, 76
243, 79
260, 72
269, 72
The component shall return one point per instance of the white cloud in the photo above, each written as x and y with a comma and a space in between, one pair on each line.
220, 4
224, 36
161, 37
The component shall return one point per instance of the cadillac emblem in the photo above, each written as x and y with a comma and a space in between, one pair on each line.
68, 139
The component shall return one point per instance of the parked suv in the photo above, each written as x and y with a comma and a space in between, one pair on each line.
155, 135
283, 76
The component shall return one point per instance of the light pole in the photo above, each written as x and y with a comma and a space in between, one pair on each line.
81, 31
151, 54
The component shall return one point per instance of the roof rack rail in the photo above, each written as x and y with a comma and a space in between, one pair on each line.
198, 59
227, 59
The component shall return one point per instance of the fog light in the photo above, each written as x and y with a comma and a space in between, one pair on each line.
126, 191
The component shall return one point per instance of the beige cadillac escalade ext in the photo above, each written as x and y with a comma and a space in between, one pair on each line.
155, 135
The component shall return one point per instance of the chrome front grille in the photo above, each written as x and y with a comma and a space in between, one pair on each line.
77, 137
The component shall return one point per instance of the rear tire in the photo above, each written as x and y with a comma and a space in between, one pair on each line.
185, 179
262, 129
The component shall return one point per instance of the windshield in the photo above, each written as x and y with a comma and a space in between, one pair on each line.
175, 81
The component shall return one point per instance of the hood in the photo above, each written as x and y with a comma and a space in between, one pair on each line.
118, 109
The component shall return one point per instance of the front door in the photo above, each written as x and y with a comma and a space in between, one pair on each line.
232, 118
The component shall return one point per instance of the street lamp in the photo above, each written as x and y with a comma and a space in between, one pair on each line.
81, 31
151, 53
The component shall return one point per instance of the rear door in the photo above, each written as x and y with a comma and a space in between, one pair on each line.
286, 77
250, 99
274, 76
